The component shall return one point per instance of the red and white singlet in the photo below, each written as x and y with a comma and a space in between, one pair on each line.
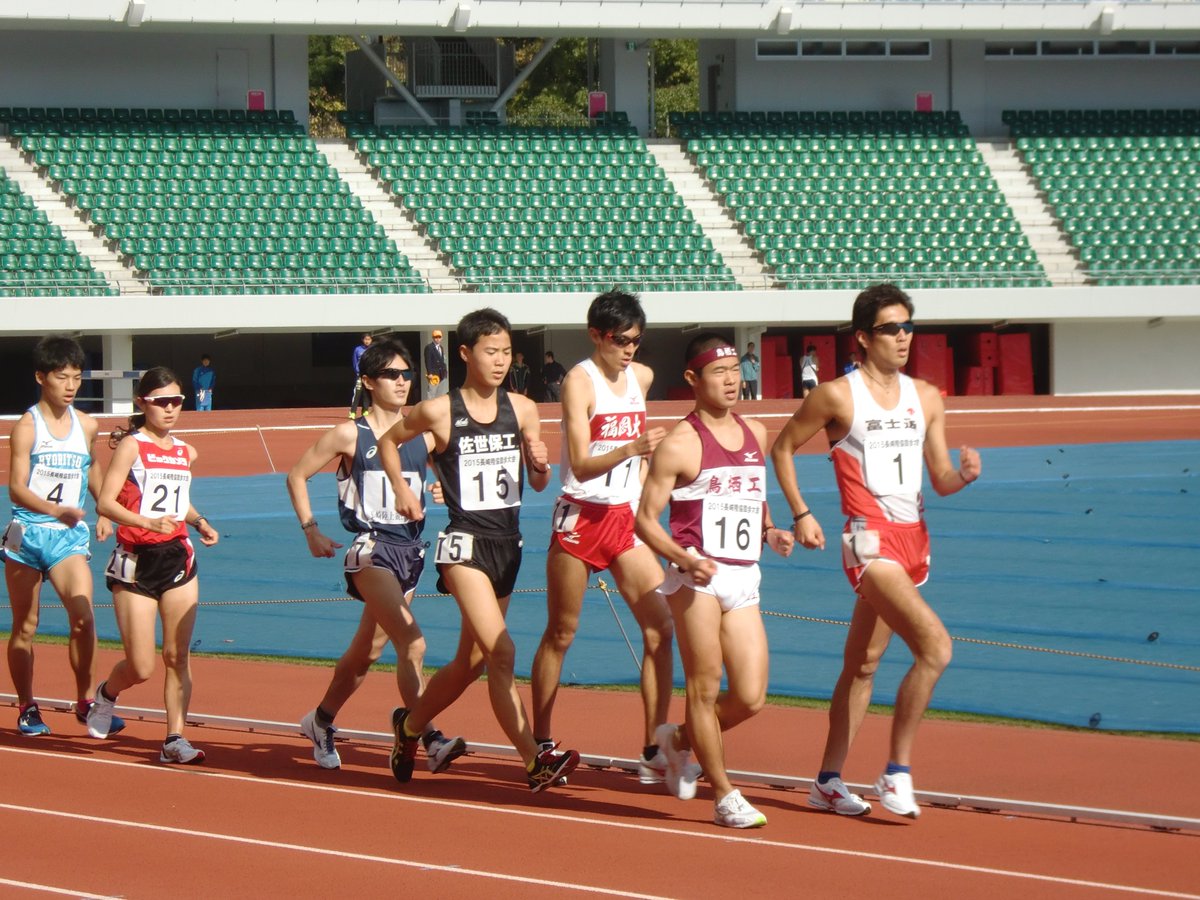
720, 512
159, 484
880, 462
616, 421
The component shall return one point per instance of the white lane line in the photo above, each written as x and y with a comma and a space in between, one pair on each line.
322, 851
722, 836
49, 889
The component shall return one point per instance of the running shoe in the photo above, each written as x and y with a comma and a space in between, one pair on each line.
81, 714
180, 751
30, 721
896, 794
100, 715
733, 811
404, 748
440, 750
681, 774
653, 770
834, 796
324, 752
550, 769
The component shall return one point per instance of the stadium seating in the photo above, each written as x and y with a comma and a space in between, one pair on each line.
214, 201
35, 259
1123, 183
832, 199
543, 208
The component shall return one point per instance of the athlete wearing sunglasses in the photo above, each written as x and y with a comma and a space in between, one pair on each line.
884, 428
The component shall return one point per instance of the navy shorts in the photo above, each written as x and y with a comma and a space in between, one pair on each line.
151, 569
404, 559
497, 557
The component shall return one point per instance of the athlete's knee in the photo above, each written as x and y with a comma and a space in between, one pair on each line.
560, 633
415, 651
177, 658
937, 651
502, 657
83, 623
25, 630
140, 668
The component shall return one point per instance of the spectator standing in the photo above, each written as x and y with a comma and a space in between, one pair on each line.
751, 369
518, 376
204, 379
809, 367
360, 399
553, 374
437, 382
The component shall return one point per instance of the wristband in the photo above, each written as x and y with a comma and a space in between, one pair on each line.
196, 521
311, 523
767, 529
796, 518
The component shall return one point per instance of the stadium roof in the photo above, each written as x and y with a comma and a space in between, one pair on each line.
619, 18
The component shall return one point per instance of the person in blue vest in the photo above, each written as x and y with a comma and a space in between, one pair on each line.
386, 557
51, 469
204, 379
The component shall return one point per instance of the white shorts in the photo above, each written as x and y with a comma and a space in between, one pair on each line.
734, 586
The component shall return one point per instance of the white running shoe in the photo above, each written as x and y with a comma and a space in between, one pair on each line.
896, 794
733, 811
834, 796
100, 715
324, 752
180, 751
681, 773
441, 751
653, 770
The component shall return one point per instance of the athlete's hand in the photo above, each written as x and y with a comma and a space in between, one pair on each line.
969, 464
435, 491
319, 545
208, 535
648, 440
408, 504
70, 515
162, 525
104, 528
808, 532
537, 454
781, 541
700, 569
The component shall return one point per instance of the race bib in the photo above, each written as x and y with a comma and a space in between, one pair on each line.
732, 529
490, 480
566, 516
358, 556
378, 501
165, 493
454, 547
859, 548
63, 486
122, 566
892, 469
14, 534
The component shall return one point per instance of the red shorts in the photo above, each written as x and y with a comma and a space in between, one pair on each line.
596, 533
866, 542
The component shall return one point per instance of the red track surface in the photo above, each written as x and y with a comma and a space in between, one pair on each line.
259, 819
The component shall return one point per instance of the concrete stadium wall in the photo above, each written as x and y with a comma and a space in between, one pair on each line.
141, 69
1139, 357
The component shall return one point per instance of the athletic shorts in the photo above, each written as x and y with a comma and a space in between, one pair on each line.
152, 569
906, 545
734, 587
497, 557
596, 533
404, 559
43, 547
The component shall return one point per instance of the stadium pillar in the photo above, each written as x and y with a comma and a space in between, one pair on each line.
118, 354
625, 77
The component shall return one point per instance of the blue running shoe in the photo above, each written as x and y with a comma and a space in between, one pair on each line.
30, 721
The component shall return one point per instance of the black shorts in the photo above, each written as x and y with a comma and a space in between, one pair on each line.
497, 557
151, 569
404, 559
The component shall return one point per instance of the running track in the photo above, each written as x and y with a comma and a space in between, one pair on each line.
102, 818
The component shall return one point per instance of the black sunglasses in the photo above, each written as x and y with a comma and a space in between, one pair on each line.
165, 401
395, 374
621, 341
891, 329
